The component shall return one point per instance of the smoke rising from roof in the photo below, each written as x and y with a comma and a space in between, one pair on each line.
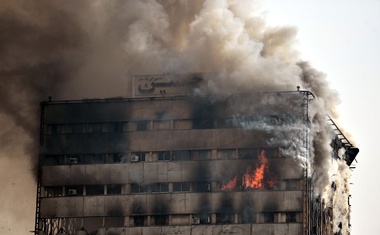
80, 49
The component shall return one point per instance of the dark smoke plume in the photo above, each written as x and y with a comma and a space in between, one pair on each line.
88, 49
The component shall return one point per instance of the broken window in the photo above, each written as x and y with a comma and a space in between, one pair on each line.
271, 152
50, 160
138, 220
54, 191
160, 220
291, 217
94, 190
202, 186
203, 123
226, 123
269, 217
114, 189
116, 157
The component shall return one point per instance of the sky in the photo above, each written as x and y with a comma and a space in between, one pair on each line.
342, 39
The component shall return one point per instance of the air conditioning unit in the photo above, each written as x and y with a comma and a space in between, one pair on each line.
72, 192
195, 220
73, 160
135, 158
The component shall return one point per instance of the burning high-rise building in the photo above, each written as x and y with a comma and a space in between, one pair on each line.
172, 160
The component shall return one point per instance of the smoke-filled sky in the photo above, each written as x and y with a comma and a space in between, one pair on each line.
84, 49
341, 38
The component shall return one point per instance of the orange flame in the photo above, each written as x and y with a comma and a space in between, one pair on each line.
254, 177
230, 185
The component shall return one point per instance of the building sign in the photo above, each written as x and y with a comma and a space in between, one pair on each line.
165, 84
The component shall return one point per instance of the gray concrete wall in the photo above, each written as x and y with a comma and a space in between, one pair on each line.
239, 229
162, 171
174, 203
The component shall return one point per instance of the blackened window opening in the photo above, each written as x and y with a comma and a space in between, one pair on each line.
95, 190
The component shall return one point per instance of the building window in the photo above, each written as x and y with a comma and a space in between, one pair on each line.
225, 123
162, 125
116, 127
181, 187
200, 154
137, 188
271, 152
269, 217
138, 220
183, 124
182, 155
291, 184
97, 127
224, 218
247, 153
160, 220
95, 190
89, 159
291, 217
138, 157
160, 187
113, 189
164, 156
116, 157
248, 217
51, 160
77, 128
74, 190
54, 191
202, 186
142, 125
203, 123
201, 219
54, 129
226, 154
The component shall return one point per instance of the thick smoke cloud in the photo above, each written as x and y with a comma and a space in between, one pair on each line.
87, 49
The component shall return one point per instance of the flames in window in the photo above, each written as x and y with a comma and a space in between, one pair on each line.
255, 177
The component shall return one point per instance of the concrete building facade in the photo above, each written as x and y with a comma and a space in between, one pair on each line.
174, 164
